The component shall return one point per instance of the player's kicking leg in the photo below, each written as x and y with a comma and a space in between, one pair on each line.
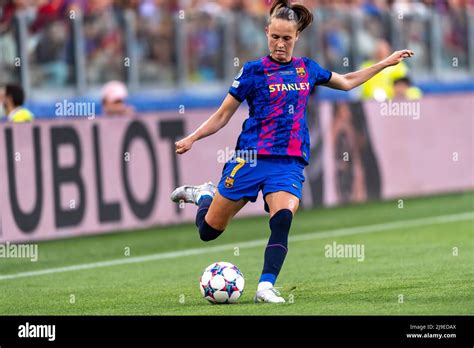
215, 211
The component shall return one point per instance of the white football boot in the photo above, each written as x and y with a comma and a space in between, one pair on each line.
266, 292
192, 194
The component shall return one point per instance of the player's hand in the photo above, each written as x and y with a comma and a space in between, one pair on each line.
397, 56
183, 145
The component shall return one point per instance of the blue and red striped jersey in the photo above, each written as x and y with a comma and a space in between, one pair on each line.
277, 95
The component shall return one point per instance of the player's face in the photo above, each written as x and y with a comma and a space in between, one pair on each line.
282, 36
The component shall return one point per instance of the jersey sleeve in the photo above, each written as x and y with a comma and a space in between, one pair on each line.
320, 74
243, 83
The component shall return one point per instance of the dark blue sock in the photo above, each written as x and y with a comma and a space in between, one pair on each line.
206, 232
277, 246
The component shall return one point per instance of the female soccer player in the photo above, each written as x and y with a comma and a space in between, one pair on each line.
277, 89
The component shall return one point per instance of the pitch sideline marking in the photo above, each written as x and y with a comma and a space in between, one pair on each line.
347, 231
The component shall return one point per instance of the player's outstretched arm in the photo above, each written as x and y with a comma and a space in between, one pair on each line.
354, 79
218, 120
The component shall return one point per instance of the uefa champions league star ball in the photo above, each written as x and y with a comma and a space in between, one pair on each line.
222, 282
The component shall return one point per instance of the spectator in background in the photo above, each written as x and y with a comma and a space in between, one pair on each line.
8, 47
13, 100
13, 6
403, 89
380, 87
248, 28
50, 54
155, 41
204, 39
47, 12
336, 41
103, 42
114, 95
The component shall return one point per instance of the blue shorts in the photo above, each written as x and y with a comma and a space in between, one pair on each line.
243, 180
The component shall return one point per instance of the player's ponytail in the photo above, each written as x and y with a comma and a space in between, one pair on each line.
283, 9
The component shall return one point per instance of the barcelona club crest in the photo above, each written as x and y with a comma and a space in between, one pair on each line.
300, 71
229, 182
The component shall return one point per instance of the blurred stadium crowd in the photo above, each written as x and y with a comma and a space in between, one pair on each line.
218, 37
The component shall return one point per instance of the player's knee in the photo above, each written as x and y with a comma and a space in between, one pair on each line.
208, 233
215, 222
280, 224
281, 221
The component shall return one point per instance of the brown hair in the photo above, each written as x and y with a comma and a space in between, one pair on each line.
283, 9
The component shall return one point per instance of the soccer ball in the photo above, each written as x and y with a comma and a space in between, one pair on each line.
222, 282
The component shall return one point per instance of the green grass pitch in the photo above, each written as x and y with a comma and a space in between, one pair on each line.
409, 268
